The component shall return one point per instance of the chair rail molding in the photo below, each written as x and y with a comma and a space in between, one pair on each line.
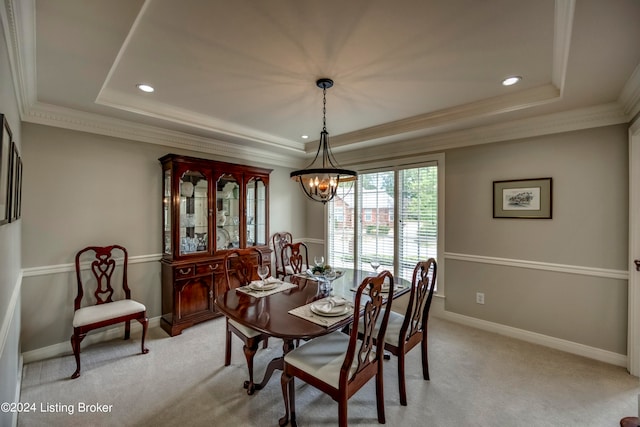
537, 265
69, 268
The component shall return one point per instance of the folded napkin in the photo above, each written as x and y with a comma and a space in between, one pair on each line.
267, 281
338, 301
327, 305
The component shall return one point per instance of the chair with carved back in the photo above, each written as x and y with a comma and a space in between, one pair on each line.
339, 364
105, 269
404, 332
240, 268
279, 240
297, 255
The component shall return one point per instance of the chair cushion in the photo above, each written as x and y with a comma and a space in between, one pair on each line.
322, 357
97, 313
244, 330
392, 335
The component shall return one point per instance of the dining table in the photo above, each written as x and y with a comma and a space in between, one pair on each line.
286, 311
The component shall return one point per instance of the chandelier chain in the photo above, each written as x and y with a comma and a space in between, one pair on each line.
324, 108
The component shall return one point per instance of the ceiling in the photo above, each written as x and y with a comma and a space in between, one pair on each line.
239, 76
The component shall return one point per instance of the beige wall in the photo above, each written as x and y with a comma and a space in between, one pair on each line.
588, 230
9, 259
83, 189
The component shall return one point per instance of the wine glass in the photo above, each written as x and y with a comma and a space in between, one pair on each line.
263, 272
318, 260
375, 265
329, 277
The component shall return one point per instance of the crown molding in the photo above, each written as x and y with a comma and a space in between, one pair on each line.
445, 119
567, 121
56, 116
630, 95
181, 116
18, 21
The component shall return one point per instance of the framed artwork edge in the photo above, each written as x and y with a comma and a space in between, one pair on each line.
528, 198
6, 154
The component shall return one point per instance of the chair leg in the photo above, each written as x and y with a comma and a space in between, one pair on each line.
401, 381
227, 347
265, 343
425, 357
127, 329
380, 394
145, 326
249, 353
286, 383
76, 339
342, 411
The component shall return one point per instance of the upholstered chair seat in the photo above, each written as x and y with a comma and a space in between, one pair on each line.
99, 313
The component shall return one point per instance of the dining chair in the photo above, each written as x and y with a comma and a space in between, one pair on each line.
279, 240
404, 332
105, 305
239, 270
339, 364
297, 255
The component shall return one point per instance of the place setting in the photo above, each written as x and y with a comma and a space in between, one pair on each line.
266, 285
326, 311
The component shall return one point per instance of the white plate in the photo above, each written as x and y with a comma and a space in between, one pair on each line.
266, 287
338, 310
222, 238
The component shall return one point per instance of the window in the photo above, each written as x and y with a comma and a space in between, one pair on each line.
389, 216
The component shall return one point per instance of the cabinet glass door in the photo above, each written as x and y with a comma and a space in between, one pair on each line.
228, 213
256, 213
166, 212
194, 210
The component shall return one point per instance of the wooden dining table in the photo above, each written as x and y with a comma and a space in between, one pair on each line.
270, 314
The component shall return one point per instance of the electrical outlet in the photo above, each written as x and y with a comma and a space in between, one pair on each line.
479, 298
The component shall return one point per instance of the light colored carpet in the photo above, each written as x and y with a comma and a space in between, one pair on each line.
477, 378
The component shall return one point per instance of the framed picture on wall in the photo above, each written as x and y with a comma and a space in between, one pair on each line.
17, 206
522, 198
15, 182
5, 170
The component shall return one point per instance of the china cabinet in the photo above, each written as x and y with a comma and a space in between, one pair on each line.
208, 208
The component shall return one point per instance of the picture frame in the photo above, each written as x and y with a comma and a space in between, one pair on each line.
5, 170
523, 198
16, 184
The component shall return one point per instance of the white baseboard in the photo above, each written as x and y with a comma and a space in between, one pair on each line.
535, 338
64, 348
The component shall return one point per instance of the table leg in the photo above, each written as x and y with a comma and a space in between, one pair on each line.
276, 363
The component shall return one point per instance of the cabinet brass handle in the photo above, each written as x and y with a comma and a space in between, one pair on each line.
185, 272
213, 267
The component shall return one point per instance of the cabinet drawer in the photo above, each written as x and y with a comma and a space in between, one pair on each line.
209, 267
184, 271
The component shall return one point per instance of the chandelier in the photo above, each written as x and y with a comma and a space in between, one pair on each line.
320, 179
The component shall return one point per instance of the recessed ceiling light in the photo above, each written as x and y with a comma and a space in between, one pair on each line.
305, 136
145, 87
509, 81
